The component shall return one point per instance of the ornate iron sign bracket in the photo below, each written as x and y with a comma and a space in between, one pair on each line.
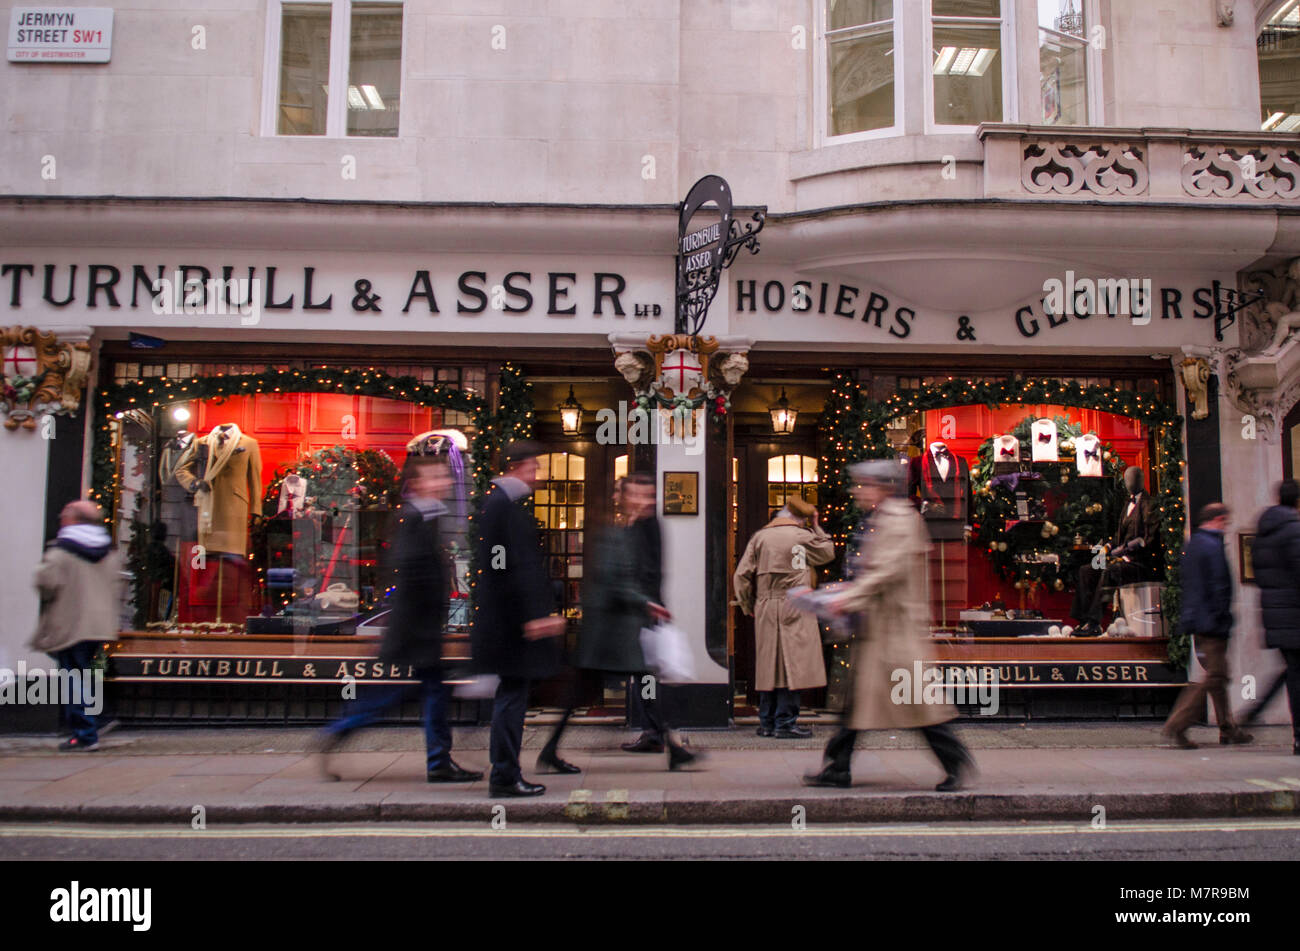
703, 253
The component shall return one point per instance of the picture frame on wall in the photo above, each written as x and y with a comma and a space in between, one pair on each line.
681, 493
1245, 557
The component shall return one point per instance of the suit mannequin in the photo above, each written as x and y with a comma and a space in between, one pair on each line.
939, 486
1134, 555
226, 488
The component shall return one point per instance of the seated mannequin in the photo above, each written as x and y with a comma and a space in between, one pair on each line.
1134, 556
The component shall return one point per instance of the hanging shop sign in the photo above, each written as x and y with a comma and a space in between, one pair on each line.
60, 34
708, 240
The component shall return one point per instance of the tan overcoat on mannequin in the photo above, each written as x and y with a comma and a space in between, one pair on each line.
234, 474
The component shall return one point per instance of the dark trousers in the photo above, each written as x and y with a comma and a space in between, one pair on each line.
1095, 586
1288, 678
654, 708
1212, 652
434, 695
507, 734
582, 682
944, 744
79, 657
778, 709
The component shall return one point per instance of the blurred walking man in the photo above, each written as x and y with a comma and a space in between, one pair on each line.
889, 595
516, 626
1207, 617
416, 621
80, 585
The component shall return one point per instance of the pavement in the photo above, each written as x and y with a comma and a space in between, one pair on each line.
1026, 772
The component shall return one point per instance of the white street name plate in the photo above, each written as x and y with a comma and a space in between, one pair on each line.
60, 34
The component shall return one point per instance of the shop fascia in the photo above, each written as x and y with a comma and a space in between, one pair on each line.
1070, 308
462, 286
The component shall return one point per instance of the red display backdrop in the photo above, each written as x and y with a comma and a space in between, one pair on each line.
287, 427
965, 428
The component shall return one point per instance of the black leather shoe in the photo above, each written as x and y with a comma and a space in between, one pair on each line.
764, 731
793, 733
520, 787
643, 744
551, 762
451, 773
1088, 629
679, 756
830, 776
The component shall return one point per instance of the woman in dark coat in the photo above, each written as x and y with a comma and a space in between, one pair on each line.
417, 615
1276, 557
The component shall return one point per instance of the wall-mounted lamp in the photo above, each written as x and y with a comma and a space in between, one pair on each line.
570, 414
783, 416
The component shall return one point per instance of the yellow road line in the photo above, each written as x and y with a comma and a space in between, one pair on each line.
647, 832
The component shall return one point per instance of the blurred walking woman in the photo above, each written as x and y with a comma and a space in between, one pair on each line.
888, 592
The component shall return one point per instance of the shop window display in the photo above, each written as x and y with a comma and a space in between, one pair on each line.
268, 513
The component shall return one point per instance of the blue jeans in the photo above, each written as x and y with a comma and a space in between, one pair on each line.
778, 709
377, 699
85, 726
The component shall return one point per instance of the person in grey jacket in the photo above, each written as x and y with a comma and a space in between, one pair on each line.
80, 584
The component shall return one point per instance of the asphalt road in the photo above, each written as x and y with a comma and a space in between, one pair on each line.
1202, 840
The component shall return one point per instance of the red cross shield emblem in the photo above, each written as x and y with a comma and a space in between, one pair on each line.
19, 361
681, 372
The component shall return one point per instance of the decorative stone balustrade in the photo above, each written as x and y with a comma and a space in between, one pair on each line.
1173, 165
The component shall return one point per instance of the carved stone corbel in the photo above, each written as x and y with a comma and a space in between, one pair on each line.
1195, 373
42, 375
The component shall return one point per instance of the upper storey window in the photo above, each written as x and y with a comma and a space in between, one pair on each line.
1278, 47
333, 68
1064, 62
862, 78
967, 61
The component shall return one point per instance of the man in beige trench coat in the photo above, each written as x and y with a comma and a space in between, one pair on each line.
888, 593
781, 556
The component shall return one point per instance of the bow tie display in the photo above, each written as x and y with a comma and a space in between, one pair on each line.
1044, 437
1008, 453
1091, 454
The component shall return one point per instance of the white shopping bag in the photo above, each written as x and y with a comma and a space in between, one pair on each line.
668, 653
481, 687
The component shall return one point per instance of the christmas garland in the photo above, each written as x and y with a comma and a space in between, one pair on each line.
854, 428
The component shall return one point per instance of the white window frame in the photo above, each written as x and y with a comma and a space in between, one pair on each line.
821, 87
1010, 83
336, 110
1091, 62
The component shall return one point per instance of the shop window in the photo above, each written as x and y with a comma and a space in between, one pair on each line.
559, 505
861, 77
790, 476
966, 61
272, 514
1065, 62
620, 467
333, 68
1278, 49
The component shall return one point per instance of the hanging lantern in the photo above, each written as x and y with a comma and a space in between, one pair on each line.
570, 414
783, 416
